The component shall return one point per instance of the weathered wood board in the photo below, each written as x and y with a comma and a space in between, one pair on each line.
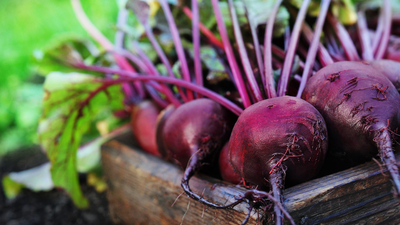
144, 190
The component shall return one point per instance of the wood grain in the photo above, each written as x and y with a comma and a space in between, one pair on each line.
142, 190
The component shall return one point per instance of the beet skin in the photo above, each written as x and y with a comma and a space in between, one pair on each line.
284, 133
278, 142
193, 136
361, 108
143, 122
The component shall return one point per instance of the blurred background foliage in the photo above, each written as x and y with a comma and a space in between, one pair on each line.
27, 27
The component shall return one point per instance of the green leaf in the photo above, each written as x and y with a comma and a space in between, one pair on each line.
64, 51
141, 9
11, 188
211, 61
70, 103
259, 11
345, 10
39, 178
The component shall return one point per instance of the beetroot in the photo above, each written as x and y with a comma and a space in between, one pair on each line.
389, 68
161, 119
276, 141
225, 167
143, 122
194, 134
362, 110
201, 124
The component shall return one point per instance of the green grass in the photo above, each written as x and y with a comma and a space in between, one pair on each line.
27, 26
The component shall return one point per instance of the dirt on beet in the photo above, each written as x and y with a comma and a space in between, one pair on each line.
45, 208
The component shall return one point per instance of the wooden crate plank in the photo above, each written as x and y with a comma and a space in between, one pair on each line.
142, 189
359, 193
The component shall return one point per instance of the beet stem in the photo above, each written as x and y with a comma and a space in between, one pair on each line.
386, 30
158, 49
204, 30
331, 41
287, 38
344, 38
230, 55
363, 34
178, 44
119, 45
161, 54
131, 76
151, 69
131, 57
269, 77
89, 26
315, 42
196, 44
136, 60
146, 68
294, 39
323, 54
92, 30
243, 54
257, 48
378, 33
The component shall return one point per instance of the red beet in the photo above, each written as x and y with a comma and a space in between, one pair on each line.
194, 134
143, 122
361, 108
276, 141
225, 167
201, 124
161, 119
389, 68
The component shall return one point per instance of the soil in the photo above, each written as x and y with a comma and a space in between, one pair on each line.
47, 208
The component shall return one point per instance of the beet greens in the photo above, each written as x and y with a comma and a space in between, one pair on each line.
276, 142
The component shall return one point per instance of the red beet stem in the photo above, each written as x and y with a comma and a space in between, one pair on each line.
255, 90
238, 79
92, 30
178, 44
269, 77
386, 30
206, 32
312, 52
131, 76
294, 39
344, 38
196, 44
363, 34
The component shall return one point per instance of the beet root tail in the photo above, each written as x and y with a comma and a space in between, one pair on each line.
388, 158
259, 196
193, 167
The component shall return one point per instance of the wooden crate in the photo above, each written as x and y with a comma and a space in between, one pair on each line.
146, 190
